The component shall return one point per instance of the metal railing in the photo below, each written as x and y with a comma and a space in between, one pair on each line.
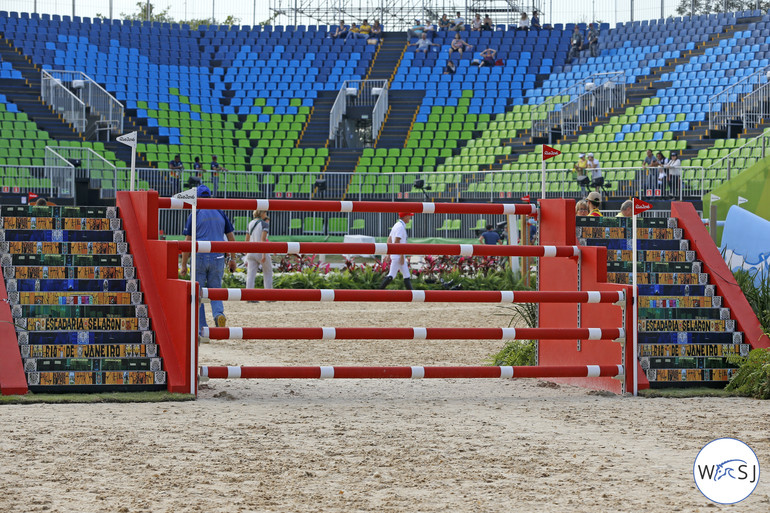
439, 186
380, 111
49, 181
744, 102
603, 93
88, 164
337, 113
98, 102
63, 101
359, 93
756, 104
740, 158
547, 117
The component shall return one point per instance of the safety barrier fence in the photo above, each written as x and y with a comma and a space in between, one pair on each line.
489, 185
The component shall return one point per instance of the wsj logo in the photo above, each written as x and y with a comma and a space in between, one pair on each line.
726, 471
735, 469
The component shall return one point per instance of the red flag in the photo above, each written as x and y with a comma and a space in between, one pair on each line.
549, 152
525, 199
640, 206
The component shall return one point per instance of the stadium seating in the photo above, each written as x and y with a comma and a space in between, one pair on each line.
246, 94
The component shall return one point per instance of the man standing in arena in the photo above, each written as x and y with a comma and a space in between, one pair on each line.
399, 262
212, 225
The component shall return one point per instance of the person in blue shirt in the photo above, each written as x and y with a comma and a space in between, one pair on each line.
212, 225
216, 167
534, 21
490, 236
176, 168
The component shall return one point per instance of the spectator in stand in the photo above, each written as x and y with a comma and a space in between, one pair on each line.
176, 164
458, 45
450, 67
444, 23
535, 21
575, 44
662, 181
582, 208
176, 168
423, 44
458, 23
626, 209
595, 168
377, 29
593, 40
488, 58
488, 24
355, 32
649, 170
216, 168
674, 167
476, 23
341, 31
523, 22
416, 30
365, 29
580, 172
594, 200
430, 29
490, 236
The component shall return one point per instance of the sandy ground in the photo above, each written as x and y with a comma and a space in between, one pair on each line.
392, 446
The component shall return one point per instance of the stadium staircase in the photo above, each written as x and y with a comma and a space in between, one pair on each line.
686, 333
26, 95
81, 322
316, 133
402, 109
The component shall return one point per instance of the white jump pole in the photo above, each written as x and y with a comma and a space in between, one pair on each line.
193, 305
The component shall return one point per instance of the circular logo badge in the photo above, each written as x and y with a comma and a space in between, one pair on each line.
726, 471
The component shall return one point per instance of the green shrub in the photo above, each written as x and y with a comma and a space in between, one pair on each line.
753, 377
516, 352
756, 288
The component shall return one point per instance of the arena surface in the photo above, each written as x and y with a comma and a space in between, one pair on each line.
374, 445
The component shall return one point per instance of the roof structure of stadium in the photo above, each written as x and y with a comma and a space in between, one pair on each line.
396, 14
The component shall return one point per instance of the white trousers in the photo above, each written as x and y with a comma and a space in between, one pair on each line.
399, 263
252, 264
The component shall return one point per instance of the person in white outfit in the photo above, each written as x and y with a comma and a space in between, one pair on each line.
258, 230
399, 262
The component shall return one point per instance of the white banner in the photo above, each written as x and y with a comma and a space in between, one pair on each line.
128, 139
741, 199
189, 196
714, 197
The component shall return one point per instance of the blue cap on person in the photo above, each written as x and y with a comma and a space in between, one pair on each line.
204, 191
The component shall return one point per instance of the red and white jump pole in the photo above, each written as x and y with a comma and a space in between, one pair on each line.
362, 248
316, 333
415, 372
357, 206
414, 296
